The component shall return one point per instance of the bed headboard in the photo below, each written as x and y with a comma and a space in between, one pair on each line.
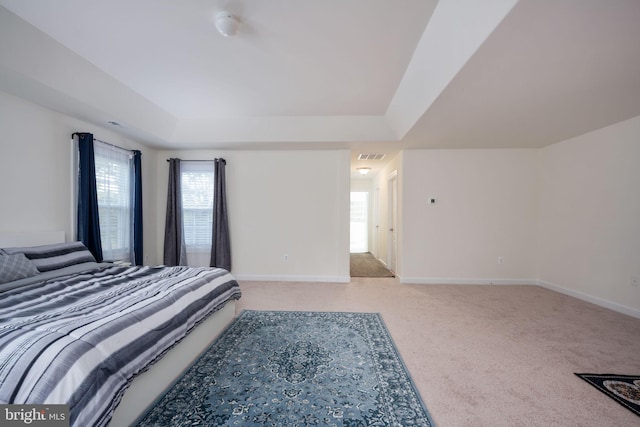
30, 238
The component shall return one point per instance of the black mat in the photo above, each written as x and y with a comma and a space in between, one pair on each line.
624, 389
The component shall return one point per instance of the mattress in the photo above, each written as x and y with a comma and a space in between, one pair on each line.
79, 335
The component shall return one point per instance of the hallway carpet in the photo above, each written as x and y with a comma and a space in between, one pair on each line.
366, 265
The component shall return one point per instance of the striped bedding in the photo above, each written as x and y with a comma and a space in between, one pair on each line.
80, 338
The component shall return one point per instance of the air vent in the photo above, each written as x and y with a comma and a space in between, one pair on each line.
371, 156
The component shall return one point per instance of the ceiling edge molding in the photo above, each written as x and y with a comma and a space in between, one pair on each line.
294, 129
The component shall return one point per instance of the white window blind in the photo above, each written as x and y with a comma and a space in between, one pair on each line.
114, 171
197, 205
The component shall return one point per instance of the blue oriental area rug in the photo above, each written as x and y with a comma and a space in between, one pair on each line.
282, 368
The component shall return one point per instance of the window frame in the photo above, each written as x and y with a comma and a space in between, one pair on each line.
197, 205
123, 254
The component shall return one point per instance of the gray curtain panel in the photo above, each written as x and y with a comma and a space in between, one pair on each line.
220, 242
175, 250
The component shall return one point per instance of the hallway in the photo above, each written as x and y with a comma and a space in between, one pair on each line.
366, 265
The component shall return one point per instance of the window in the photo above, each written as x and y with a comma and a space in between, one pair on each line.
114, 172
359, 222
197, 205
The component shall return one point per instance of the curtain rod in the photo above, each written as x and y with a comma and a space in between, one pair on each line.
107, 143
114, 146
203, 160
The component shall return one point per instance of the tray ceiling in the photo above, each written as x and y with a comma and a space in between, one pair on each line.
356, 74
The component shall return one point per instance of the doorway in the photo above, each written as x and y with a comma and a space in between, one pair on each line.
362, 262
358, 234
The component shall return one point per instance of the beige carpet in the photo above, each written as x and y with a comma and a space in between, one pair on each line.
366, 265
486, 355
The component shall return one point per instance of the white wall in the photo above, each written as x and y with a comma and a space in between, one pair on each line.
281, 202
485, 208
589, 222
35, 169
381, 186
565, 216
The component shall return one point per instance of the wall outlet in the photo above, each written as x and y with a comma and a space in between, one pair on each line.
635, 281
500, 260
286, 257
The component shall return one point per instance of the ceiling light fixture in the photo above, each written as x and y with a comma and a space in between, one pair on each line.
363, 171
226, 23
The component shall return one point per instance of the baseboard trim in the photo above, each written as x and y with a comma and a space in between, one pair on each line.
449, 281
465, 281
292, 278
590, 298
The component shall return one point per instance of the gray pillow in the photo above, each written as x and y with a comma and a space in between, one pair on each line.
53, 257
14, 267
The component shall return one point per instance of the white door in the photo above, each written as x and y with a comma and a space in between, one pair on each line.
393, 223
376, 227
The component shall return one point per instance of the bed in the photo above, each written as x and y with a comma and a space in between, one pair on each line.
104, 338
